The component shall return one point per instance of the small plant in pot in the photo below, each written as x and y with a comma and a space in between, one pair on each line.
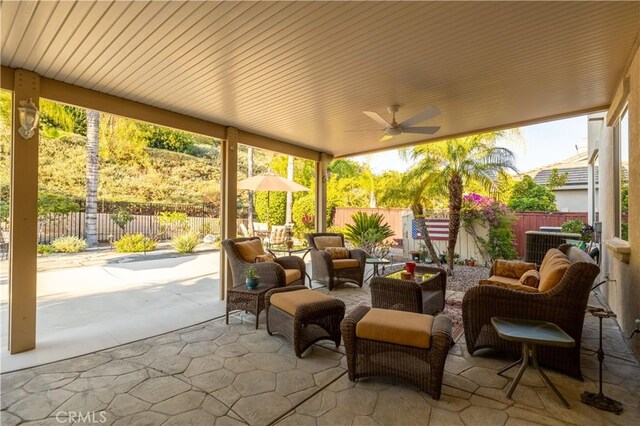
253, 279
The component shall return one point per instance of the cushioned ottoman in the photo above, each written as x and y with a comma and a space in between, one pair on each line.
405, 345
303, 316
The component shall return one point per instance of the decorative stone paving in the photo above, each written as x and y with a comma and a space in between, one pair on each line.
214, 374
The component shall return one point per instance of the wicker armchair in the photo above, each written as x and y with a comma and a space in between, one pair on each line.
563, 305
426, 297
330, 272
421, 367
275, 272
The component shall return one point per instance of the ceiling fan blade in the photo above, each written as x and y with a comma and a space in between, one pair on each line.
366, 130
376, 117
420, 117
386, 138
421, 130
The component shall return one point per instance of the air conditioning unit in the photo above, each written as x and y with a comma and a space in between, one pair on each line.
537, 243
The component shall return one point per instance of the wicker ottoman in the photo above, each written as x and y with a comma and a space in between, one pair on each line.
405, 345
303, 316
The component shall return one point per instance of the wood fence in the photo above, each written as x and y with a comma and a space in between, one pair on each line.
526, 221
532, 221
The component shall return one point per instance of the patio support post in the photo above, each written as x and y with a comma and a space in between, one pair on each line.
23, 223
229, 194
321, 191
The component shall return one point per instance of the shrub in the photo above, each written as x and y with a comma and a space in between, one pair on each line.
369, 233
527, 195
45, 249
69, 244
185, 243
121, 217
573, 226
172, 223
135, 243
495, 216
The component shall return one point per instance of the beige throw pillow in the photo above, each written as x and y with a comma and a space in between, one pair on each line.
338, 252
250, 249
530, 278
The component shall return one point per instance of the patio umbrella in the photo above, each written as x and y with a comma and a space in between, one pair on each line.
270, 182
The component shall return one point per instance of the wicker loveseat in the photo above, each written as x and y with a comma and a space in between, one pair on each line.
280, 272
332, 271
564, 304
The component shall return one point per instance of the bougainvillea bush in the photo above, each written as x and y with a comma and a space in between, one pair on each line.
496, 217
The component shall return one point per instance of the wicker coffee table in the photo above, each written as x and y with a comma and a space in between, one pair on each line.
240, 298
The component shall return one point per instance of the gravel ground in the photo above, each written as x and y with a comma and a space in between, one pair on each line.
465, 277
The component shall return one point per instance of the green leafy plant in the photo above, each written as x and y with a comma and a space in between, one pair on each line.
251, 273
185, 243
69, 244
46, 249
134, 243
122, 218
528, 195
573, 226
369, 232
172, 223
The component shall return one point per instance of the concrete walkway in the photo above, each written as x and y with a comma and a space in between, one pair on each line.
115, 300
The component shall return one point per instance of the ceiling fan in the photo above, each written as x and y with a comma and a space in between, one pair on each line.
394, 128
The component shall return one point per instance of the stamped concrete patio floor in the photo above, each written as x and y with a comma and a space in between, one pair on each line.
224, 375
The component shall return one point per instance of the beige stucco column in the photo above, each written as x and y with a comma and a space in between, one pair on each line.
23, 221
321, 192
229, 195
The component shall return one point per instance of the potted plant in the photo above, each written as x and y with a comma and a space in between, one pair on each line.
253, 279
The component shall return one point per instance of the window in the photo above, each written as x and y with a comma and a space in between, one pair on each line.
623, 174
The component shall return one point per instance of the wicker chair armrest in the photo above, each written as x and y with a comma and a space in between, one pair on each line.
359, 254
291, 262
269, 272
483, 302
273, 291
349, 323
442, 327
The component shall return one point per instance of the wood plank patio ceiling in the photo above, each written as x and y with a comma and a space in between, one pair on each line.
302, 72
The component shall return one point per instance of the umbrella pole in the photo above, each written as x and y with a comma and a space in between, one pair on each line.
268, 217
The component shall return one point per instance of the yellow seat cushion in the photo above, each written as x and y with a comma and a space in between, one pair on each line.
502, 280
327, 241
249, 250
292, 275
338, 252
512, 269
512, 286
289, 301
345, 263
554, 270
399, 327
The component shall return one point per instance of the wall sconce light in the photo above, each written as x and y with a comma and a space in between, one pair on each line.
326, 176
28, 116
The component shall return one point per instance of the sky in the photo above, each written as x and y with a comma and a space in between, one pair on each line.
542, 144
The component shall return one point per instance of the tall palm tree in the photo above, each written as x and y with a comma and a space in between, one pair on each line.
250, 196
91, 205
450, 165
289, 206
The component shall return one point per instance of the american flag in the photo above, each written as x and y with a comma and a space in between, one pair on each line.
438, 229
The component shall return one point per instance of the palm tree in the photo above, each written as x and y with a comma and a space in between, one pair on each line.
449, 165
91, 205
289, 206
250, 196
